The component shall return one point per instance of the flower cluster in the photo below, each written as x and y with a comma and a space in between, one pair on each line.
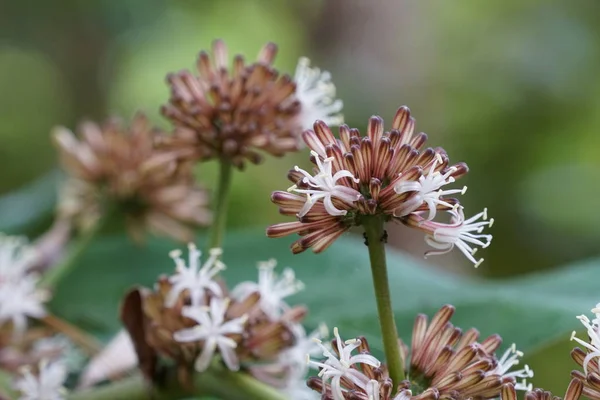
237, 113
191, 317
123, 167
384, 173
443, 362
587, 359
20, 297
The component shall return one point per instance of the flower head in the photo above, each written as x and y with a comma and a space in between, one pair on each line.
588, 357
383, 173
21, 299
272, 289
443, 362
341, 364
193, 278
122, 165
19, 296
214, 331
316, 93
46, 385
240, 112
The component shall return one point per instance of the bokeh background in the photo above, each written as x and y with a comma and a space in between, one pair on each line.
509, 86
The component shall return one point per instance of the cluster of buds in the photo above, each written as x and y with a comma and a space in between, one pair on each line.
235, 114
384, 173
118, 166
443, 362
192, 318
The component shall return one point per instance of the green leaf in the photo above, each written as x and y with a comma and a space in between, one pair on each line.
529, 311
25, 207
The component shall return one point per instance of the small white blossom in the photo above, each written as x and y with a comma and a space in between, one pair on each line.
293, 360
213, 330
316, 94
295, 356
21, 299
324, 186
336, 368
509, 359
47, 385
272, 289
464, 234
594, 345
193, 278
428, 190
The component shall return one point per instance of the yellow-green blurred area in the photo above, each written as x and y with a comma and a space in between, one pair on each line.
510, 87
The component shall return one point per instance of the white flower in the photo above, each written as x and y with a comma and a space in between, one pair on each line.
464, 234
324, 186
335, 368
509, 359
213, 330
21, 299
592, 331
47, 385
316, 94
194, 278
272, 289
296, 389
428, 190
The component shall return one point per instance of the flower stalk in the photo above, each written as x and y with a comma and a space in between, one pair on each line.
375, 237
55, 274
221, 203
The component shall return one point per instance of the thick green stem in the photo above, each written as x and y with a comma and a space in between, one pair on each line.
223, 384
58, 272
376, 242
221, 203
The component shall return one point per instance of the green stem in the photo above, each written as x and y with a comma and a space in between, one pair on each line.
58, 272
221, 203
223, 384
375, 238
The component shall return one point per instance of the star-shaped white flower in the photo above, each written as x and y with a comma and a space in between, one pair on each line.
316, 94
428, 190
336, 368
464, 234
594, 345
47, 385
272, 288
193, 278
21, 299
509, 359
324, 186
212, 329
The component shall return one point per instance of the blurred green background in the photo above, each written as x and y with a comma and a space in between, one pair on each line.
510, 87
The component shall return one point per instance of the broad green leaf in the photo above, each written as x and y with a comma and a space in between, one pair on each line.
529, 311
24, 207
